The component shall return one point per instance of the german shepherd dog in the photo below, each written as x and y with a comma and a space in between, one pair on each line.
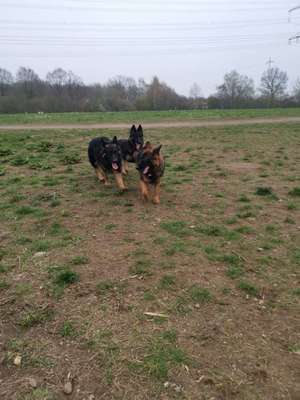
151, 166
131, 146
106, 156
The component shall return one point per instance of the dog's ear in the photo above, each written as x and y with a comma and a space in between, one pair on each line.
140, 129
147, 145
157, 150
115, 140
133, 129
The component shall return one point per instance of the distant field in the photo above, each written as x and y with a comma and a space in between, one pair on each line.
81, 266
146, 116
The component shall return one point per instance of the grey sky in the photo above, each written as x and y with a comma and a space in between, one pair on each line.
180, 41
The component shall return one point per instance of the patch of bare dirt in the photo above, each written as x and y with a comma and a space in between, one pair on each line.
154, 125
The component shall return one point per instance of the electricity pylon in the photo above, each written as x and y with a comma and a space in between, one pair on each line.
296, 37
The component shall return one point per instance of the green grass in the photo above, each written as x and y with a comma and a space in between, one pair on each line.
23, 289
291, 206
35, 317
176, 228
234, 272
295, 348
61, 277
70, 158
141, 268
66, 277
162, 355
178, 246
24, 211
79, 260
3, 285
145, 116
244, 199
68, 330
41, 245
3, 269
295, 192
167, 282
149, 296
199, 294
104, 287
264, 191
249, 288
38, 394
296, 292
217, 230
110, 227
190, 258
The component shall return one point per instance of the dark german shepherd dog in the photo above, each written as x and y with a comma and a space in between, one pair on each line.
106, 156
151, 166
132, 145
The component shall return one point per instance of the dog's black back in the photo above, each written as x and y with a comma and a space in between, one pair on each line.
131, 146
96, 149
105, 153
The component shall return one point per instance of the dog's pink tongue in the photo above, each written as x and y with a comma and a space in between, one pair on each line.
115, 166
138, 146
146, 170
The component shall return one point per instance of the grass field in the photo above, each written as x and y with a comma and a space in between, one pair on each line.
81, 266
146, 116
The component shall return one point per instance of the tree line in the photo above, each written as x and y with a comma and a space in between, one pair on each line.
63, 91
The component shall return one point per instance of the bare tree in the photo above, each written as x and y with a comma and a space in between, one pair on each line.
273, 84
160, 96
28, 80
74, 84
6, 79
236, 90
296, 90
129, 85
57, 79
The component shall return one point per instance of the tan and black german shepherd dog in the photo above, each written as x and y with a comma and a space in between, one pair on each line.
106, 156
150, 164
131, 146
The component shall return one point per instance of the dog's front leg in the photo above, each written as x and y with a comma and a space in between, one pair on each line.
101, 175
124, 172
119, 181
126, 166
144, 190
156, 197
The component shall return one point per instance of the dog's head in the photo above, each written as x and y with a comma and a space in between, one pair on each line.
136, 137
113, 154
150, 160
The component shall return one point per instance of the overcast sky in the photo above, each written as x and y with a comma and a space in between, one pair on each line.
180, 41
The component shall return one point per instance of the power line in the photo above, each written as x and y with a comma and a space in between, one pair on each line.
138, 25
121, 40
295, 38
162, 8
165, 52
167, 29
294, 9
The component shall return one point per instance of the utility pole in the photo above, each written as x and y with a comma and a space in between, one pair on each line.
270, 62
